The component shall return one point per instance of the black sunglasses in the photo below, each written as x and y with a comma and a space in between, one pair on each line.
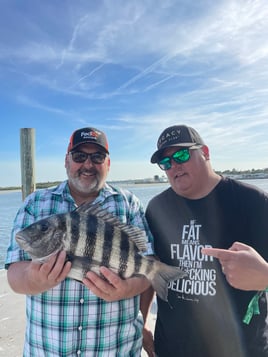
179, 157
95, 157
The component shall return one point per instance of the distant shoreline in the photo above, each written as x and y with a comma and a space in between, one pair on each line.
121, 183
242, 176
2, 191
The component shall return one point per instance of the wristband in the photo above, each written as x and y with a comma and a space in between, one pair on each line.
253, 307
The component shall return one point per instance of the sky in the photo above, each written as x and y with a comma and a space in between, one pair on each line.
131, 69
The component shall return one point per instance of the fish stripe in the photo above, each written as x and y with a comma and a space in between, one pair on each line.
77, 231
114, 262
149, 266
72, 226
107, 244
124, 253
138, 263
95, 241
90, 229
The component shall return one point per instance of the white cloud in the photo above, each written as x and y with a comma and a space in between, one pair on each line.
134, 68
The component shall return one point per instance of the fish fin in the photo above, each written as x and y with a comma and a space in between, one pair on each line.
164, 274
43, 260
137, 235
89, 207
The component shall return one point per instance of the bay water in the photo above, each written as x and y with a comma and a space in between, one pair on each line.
10, 202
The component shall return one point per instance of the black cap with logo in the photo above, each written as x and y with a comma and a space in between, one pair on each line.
177, 135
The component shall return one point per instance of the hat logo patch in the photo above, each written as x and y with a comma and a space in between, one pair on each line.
169, 136
88, 135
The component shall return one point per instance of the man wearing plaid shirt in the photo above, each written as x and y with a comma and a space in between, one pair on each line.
65, 317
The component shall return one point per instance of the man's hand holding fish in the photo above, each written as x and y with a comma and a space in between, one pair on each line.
36, 277
114, 288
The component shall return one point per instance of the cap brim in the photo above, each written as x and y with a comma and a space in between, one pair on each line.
90, 142
157, 154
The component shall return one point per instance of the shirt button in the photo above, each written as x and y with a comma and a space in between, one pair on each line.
80, 328
78, 352
81, 301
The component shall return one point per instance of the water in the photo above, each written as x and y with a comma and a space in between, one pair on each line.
10, 202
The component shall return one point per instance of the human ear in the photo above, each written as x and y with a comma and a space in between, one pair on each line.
205, 151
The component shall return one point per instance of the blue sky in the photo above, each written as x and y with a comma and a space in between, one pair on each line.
132, 68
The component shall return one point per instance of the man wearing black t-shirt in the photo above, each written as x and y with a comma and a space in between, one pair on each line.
204, 314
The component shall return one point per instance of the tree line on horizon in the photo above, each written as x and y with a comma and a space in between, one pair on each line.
41, 185
243, 172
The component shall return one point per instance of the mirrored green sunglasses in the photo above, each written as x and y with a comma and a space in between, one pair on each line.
179, 157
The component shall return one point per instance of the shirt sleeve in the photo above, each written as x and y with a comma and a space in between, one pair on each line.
23, 218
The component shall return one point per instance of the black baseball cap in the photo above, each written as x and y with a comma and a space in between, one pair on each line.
177, 135
88, 135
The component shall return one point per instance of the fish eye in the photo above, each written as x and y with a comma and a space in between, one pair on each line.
43, 227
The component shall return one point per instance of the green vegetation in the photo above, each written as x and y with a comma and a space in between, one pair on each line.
245, 172
38, 186
253, 173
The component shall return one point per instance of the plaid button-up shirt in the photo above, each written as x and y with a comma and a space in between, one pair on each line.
69, 320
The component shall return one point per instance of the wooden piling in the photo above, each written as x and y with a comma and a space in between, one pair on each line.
27, 155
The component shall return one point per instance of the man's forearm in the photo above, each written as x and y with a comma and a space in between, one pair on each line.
33, 278
146, 302
17, 277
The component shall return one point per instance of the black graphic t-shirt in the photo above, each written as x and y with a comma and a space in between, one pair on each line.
204, 314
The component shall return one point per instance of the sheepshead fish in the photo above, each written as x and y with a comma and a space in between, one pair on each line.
92, 237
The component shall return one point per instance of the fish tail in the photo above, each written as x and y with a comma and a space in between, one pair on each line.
163, 275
